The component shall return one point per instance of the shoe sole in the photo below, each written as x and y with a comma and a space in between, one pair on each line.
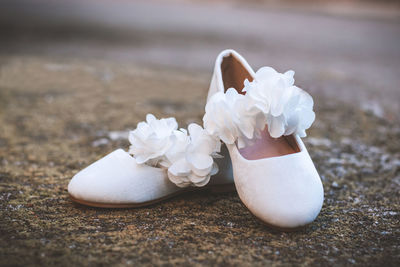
214, 189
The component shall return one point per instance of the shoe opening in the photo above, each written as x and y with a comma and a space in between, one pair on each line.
233, 76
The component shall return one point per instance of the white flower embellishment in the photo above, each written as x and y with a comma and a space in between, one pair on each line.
229, 118
195, 164
152, 139
188, 158
270, 99
287, 108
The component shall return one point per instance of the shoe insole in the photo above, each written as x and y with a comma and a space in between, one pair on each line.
234, 75
267, 146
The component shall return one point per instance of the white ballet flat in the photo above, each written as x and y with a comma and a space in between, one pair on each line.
274, 177
118, 181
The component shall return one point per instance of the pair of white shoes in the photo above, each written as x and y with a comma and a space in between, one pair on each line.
259, 116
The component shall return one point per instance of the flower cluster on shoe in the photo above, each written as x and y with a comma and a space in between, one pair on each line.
270, 99
188, 155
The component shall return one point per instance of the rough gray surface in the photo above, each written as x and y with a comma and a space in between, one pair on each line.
58, 116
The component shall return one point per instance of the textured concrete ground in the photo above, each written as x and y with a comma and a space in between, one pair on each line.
61, 109
56, 117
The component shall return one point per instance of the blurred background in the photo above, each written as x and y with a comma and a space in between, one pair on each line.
349, 49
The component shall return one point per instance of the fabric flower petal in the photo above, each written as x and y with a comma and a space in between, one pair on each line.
271, 98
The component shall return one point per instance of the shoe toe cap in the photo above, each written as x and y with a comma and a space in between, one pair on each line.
117, 178
288, 204
292, 205
284, 191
